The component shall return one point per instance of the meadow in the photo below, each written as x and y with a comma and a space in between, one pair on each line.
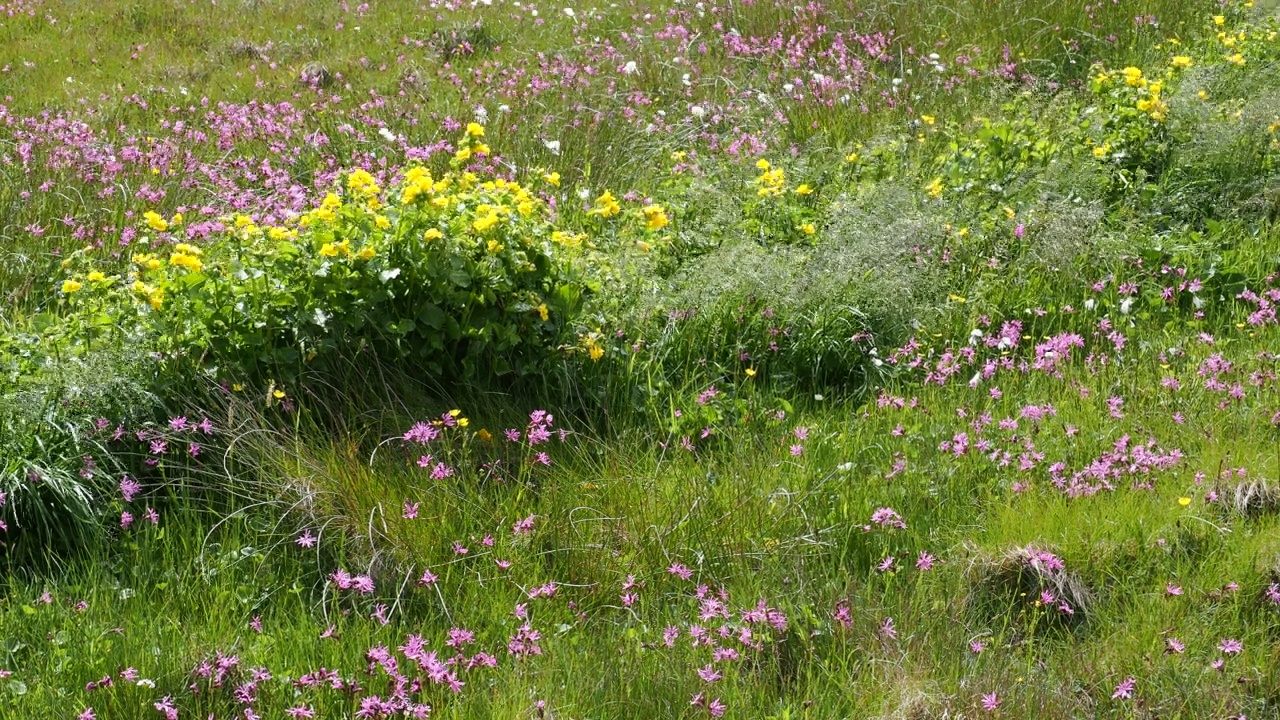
865, 359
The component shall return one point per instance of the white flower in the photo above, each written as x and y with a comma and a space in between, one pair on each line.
553, 146
482, 115
568, 11
974, 336
146, 683
387, 134
685, 79
788, 87
630, 68
504, 109
584, 193
698, 111
1090, 304
1126, 305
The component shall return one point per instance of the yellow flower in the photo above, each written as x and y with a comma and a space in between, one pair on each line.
655, 218
594, 351
366, 253
804, 189
552, 178
606, 205
278, 394
1009, 212
432, 234
485, 221
156, 298
808, 229
481, 148
155, 222
928, 119
1133, 76
382, 222
329, 250
1184, 501
71, 286
494, 247
1236, 59
751, 372
463, 422
1181, 62
851, 157
1101, 150
679, 156
96, 276
190, 262
177, 220
485, 435
762, 164
934, 188
542, 311
1219, 19
957, 299
475, 129
462, 155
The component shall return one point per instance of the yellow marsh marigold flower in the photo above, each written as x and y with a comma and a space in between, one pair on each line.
494, 247
475, 129
96, 276
189, 262
361, 181
804, 189
1133, 77
552, 178
934, 188
808, 229
366, 253
462, 155
762, 164
486, 221
1236, 59
432, 234
382, 222
928, 119
655, 218
1181, 62
542, 312
482, 148
155, 298
71, 286
606, 206
155, 222
1219, 19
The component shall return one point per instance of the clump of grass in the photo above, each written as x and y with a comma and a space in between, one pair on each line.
1029, 586
1251, 497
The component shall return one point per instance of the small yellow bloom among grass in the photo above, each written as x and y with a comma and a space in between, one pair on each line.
851, 157
542, 312
1184, 501
71, 286
934, 188
655, 218
432, 234
804, 189
551, 178
1236, 59
154, 221
751, 372
1219, 19
1102, 150
96, 276
475, 129
928, 119
485, 435
606, 206
1181, 62
808, 229
1133, 77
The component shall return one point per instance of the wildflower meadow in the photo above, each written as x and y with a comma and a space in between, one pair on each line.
671, 359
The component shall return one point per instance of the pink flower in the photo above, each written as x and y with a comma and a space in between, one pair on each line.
990, 702
1171, 589
1231, 646
1124, 689
925, 562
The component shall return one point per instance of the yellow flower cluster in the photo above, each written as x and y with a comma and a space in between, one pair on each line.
187, 256
772, 181
655, 218
606, 206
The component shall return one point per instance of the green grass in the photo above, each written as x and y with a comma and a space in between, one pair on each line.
1160, 499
